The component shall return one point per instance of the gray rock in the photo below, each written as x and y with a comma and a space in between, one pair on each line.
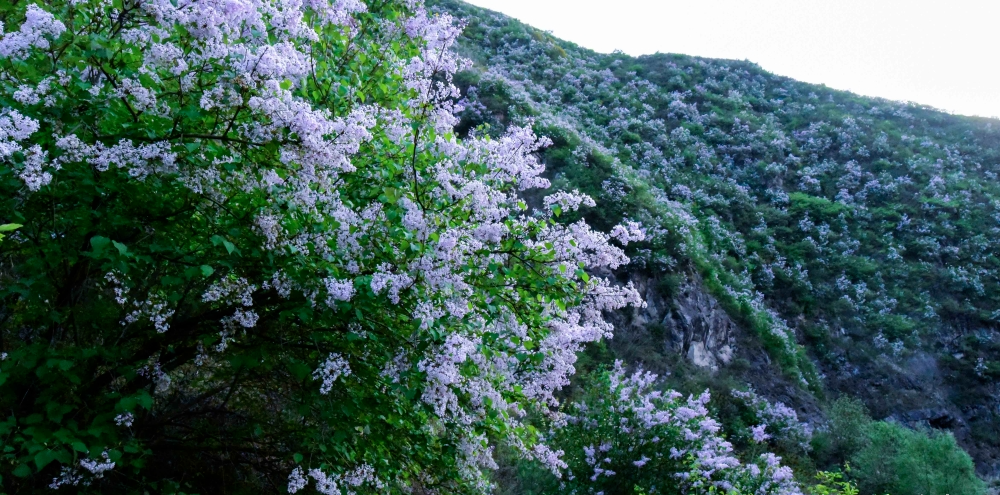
699, 328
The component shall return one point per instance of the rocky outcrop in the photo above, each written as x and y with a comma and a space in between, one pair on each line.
694, 324
683, 321
701, 329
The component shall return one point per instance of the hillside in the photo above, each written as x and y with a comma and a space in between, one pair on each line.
810, 242
351, 247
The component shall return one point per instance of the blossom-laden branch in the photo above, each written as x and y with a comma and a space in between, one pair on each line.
366, 290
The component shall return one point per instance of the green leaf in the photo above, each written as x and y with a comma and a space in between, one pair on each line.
207, 270
43, 458
144, 399
121, 247
300, 370
99, 243
55, 411
7, 227
22, 470
218, 239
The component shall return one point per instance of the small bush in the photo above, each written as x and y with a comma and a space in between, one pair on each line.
891, 458
848, 422
902, 461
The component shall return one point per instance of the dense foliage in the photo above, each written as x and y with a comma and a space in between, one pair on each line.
624, 434
889, 458
254, 256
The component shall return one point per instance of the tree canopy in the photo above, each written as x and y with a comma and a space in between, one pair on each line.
255, 255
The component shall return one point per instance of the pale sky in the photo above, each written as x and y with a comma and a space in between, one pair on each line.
945, 54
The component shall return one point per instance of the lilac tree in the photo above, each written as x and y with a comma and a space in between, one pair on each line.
254, 254
625, 436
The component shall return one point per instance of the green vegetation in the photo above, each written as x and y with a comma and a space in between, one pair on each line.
254, 256
887, 457
272, 246
8, 227
828, 483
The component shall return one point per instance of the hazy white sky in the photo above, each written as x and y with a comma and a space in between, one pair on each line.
945, 53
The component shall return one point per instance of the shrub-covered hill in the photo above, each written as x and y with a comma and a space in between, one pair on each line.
269, 246
849, 241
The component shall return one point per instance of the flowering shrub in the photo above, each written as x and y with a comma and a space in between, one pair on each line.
624, 435
774, 422
254, 254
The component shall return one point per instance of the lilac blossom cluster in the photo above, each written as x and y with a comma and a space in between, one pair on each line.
339, 484
775, 421
92, 469
330, 370
627, 429
38, 28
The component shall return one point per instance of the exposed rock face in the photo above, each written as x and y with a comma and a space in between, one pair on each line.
686, 321
700, 328
919, 391
694, 324
683, 321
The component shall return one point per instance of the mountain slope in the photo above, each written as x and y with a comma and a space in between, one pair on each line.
846, 244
